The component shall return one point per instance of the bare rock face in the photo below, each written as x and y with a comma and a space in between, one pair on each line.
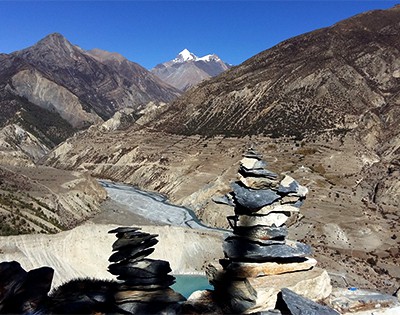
19, 147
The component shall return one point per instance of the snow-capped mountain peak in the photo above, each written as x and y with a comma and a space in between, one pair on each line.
212, 57
185, 55
187, 70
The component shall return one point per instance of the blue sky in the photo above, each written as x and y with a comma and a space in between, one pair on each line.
151, 32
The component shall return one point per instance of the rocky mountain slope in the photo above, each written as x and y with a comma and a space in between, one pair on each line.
321, 106
73, 88
332, 79
187, 70
45, 200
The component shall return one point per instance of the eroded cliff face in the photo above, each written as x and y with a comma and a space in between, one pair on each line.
48, 95
84, 251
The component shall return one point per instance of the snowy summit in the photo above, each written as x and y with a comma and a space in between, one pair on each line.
187, 70
185, 55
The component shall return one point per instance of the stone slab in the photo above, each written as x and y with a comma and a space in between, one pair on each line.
253, 199
299, 305
289, 185
153, 296
258, 182
246, 270
358, 300
240, 250
258, 170
261, 293
132, 241
277, 207
145, 268
262, 232
132, 251
271, 219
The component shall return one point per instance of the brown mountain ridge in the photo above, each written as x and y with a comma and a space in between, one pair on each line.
71, 87
336, 78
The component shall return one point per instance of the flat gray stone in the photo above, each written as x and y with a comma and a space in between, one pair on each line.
251, 153
132, 282
130, 252
132, 240
239, 250
288, 185
143, 268
270, 219
262, 172
253, 199
261, 232
254, 240
349, 301
299, 305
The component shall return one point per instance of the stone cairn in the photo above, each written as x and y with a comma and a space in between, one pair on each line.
145, 287
259, 261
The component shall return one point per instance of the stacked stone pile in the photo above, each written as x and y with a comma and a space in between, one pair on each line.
145, 283
259, 260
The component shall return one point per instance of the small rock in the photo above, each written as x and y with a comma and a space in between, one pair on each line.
253, 199
254, 240
299, 305
290, 186
258, 182
289, 199
225, 199
261, 172
252, 163
253, 154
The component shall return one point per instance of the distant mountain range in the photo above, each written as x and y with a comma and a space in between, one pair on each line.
54, 88
187, 70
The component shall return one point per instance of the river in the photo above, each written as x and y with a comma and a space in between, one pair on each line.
152, 206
